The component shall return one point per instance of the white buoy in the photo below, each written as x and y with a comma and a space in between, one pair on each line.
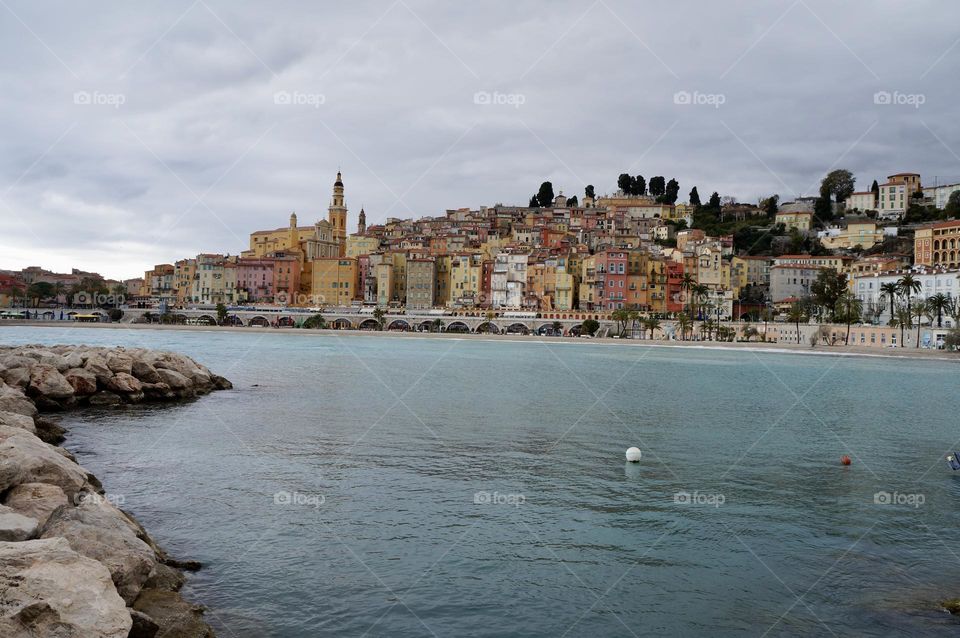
633, 455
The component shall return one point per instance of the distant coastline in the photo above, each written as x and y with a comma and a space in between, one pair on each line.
753, 346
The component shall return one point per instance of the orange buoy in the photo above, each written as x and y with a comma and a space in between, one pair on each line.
845, 460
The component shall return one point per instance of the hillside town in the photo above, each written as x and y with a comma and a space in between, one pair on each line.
885, 257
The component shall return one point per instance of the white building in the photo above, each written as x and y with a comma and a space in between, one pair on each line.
862, 201
939, 195
867, 288
508, 281
894, 198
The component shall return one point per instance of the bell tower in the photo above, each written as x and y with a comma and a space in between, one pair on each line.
337, 214
362, 222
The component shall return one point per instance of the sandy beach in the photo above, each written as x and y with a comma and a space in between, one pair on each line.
755, 346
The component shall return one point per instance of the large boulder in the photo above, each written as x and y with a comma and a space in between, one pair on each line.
84, 382
73, 360
16, 377
119, 362
145, 372
97, 365
123, 383
18, 404
178, 618
98, 530
36, 462
36, 500
173, 379
48, 589
16, 527
46, 381
14, 420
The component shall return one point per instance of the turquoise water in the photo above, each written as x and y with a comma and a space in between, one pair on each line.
390, 449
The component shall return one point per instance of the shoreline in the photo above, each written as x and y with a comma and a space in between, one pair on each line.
79, 563
753, 346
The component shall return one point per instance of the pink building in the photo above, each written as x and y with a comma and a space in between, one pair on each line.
255, 278
611, 269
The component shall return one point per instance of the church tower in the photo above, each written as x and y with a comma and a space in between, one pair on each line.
337, 214
293, 236
362, 222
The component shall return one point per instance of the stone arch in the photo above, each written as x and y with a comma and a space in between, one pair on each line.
206, 320
399, 324
341, 323
488, 326
547, 329
259, 321
368, 324
425, 326
517, 328
457, 326
234, 320
576, 330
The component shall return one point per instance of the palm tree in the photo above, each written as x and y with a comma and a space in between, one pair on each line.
686, 285
652, 324
902, 320
698, 293
939, 303
58, 289
795, 315
849, 307
890, 291
684, 322
919, 310
908, 285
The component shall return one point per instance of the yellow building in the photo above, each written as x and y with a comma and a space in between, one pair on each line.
442, 277
589, 295
566, 291
863, 233
421, 284
466, 278
385, 284
937, 245
800, 220
184, 272
359, 245
335, 281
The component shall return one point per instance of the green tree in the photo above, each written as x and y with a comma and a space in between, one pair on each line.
590, 326
920, 309
952, 209
639, 185
557, 328
378, 316
686, 286
902, 320
625, 183
533, 202
671, 192
890, 291
652, 324
908, 285
769, 205
588, 192
573, 202
315, 322
875, 189
622, 317
714, 202
684, 323
796, 314
658, 186
827, 289
221, 314
545, 195
938, 304
38, 291
749, 332
694, 197
838, 183
848, 310
699, 292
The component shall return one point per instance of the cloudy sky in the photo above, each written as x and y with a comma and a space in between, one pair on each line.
139, 133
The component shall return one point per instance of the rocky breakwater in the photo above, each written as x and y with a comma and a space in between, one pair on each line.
72, 564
